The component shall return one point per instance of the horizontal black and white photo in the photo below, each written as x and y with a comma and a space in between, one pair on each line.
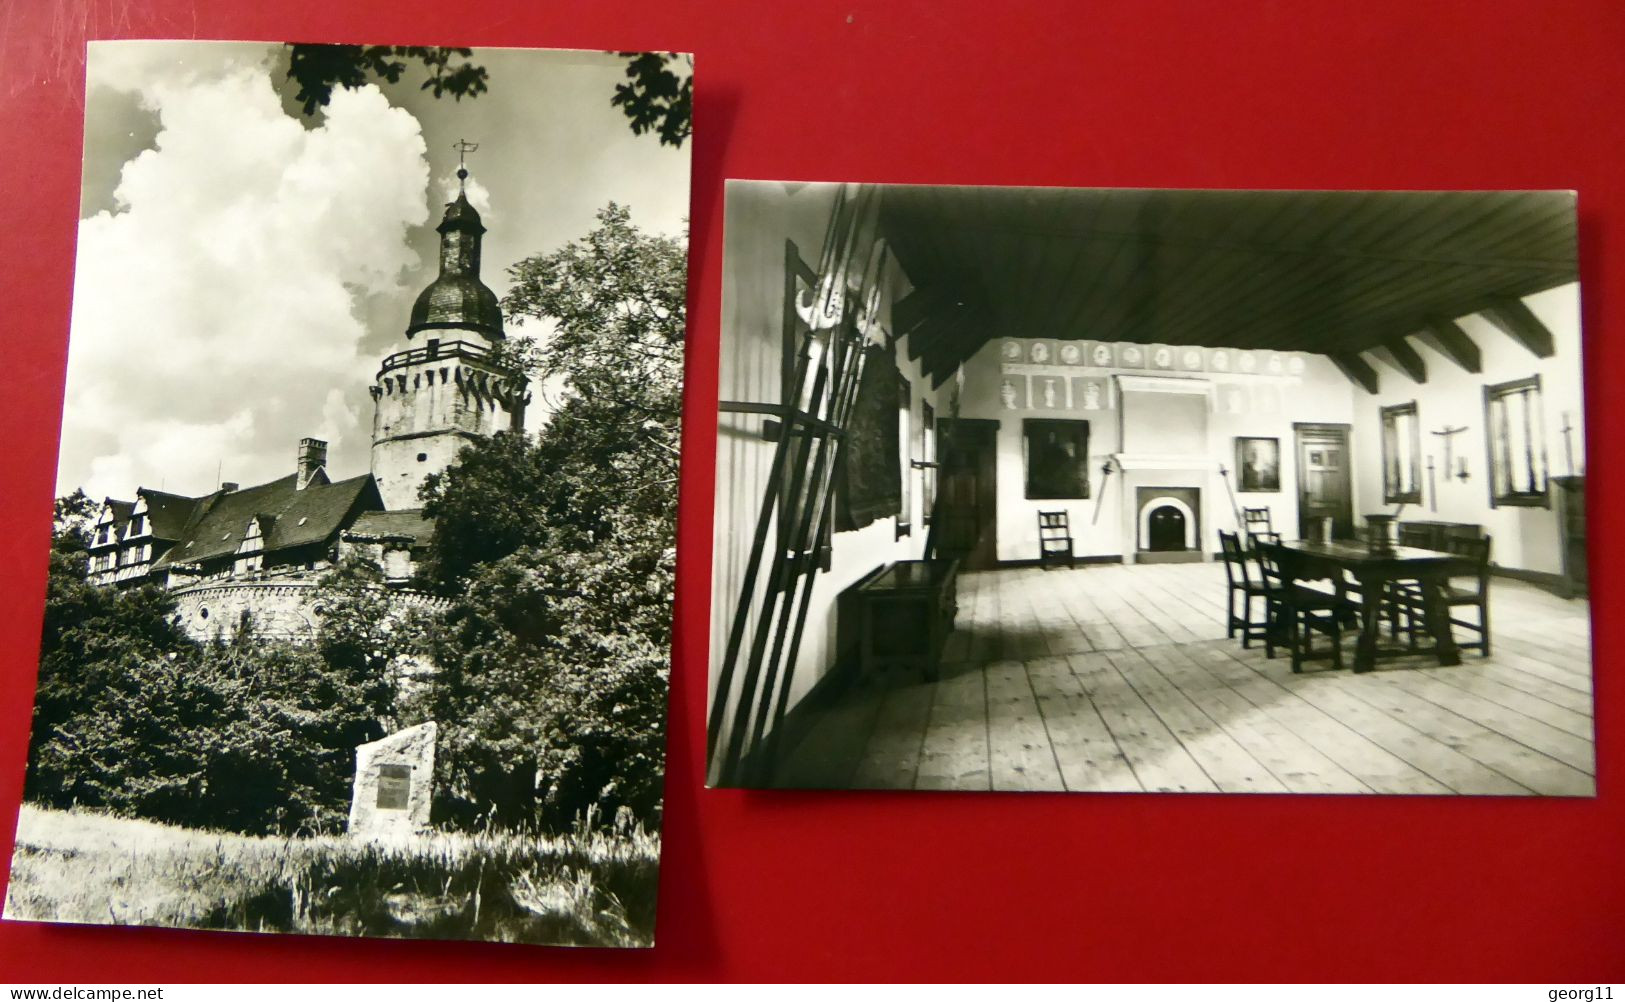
358, 617
1150, 490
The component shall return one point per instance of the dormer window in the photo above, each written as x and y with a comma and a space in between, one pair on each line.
104, 529
250, 552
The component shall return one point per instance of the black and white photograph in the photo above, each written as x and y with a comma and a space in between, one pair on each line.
358, 618
1223, 491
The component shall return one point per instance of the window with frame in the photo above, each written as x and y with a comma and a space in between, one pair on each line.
1514, 430
1401, 455
928, 457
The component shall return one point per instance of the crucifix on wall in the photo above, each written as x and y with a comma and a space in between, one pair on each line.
1568, 445
1448, 434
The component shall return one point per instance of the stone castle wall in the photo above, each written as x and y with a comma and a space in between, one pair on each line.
285, 608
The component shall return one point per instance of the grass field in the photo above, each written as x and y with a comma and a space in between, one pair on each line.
583, 889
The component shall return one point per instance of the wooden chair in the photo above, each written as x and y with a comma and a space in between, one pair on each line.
1410, 604
1256, 520
1054, 538
1417, 536
1239, 581
1254, 538
1303, 611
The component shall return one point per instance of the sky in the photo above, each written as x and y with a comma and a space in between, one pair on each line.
242, 269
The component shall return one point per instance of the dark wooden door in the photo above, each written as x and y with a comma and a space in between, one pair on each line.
967, 505
1324, 487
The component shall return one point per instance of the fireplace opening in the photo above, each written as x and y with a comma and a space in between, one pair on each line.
1168, 528
1165, 531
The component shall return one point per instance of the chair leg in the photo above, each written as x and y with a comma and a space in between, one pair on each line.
1230, 617
1484, 623
1294, 639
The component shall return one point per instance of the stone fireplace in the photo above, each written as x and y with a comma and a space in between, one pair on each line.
1165, 467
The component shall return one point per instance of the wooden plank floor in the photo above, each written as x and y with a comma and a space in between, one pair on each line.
1119, 678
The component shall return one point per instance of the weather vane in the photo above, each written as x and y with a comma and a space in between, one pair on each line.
463, 148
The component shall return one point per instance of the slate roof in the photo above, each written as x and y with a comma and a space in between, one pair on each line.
408, 524
457, 301
297, 517
168, 513
121, 518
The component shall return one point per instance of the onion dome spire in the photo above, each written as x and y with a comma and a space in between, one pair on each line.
457, 299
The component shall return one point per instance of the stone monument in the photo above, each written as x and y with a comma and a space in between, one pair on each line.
394, 783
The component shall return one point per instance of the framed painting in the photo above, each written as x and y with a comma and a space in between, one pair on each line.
1258, 465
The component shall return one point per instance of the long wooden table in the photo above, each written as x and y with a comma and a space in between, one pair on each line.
1374, 571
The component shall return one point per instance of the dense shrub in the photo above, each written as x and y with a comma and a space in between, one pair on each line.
249, 735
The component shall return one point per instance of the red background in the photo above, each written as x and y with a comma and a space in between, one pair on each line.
956, 886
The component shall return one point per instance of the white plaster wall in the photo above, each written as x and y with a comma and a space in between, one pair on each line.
1321, 395
1524, 538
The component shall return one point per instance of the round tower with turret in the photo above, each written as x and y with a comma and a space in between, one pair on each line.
445, 389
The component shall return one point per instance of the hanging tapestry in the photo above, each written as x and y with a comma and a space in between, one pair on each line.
871, 484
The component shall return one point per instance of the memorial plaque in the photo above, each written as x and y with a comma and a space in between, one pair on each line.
394, 787
394, 784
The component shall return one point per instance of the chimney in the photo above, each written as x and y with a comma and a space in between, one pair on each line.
312, 457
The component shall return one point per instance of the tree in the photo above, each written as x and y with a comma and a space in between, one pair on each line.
88, 637
554, 652
71, 521
319, 68
658, 99
364, 635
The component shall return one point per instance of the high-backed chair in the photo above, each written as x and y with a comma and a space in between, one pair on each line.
1054, 538
1256, 520
1469, 585
1303, 611
1239, 582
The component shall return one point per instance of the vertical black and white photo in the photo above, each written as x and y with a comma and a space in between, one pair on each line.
1222, 491
358, 618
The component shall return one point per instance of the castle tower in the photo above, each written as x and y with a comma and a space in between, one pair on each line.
444, 390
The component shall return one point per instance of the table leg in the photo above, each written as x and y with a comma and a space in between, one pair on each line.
1439, 621
1289, 609
1365, 652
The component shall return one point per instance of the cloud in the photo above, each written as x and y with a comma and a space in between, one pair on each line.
216, 309
478, 196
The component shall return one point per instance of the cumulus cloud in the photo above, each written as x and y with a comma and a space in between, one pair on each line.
478, 196
216, 313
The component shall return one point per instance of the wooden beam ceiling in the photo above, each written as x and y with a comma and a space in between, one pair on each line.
1330, 272
1357, 369
1518, 323
1407, 359
1456, 344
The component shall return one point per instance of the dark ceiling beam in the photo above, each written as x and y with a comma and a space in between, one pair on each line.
958, 345
1456, 344
950, 337
913, 312
1522, 326
1357, 369
1407, 359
